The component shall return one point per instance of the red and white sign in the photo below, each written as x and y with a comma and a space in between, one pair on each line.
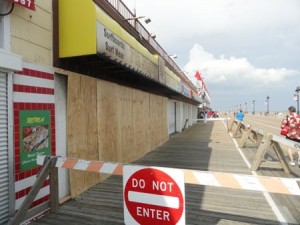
29, 4
153, 195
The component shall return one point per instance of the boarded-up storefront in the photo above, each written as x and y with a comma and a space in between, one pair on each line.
109, 122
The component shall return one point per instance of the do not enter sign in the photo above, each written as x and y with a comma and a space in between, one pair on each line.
153, 196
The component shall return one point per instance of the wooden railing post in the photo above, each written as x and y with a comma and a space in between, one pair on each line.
48, 167
244, 138
259, 156
236, 129
53, 186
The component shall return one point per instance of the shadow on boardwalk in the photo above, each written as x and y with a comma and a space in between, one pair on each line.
201, 147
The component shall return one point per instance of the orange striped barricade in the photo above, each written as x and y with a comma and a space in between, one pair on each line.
279, 185
273, 142
254, 135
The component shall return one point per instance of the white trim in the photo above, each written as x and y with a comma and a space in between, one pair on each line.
5, 26
33, 81
42, 68
154, 199
207, 179
10, 61
81, 165
33, 98
25, 183
249, 183
108, 168
42, 193
11, 164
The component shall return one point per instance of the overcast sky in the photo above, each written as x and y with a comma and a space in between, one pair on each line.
245, 49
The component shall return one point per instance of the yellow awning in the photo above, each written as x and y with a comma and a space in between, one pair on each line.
78, 30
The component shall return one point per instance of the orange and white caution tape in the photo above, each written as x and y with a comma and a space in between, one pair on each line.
287, 186
85, 165
240, 181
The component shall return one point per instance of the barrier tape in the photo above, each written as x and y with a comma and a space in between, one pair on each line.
287, 186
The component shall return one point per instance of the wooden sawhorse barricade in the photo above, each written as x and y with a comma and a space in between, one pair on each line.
256, 136
273, 142
237, 128
264, 143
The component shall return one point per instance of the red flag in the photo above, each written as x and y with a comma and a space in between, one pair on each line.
198, 76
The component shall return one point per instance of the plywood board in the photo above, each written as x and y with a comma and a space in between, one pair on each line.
126, 123
108, 116
141, 121
111, 123
158, 122
82, 129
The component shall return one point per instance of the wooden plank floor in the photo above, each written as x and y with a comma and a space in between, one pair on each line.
202, 147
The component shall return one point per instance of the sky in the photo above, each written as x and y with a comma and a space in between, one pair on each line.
245, 50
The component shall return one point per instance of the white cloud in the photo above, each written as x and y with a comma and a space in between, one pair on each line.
251, 51
205, 17
236, 71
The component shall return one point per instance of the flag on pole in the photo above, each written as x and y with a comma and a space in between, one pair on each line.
198, 76
199, 83
202, 89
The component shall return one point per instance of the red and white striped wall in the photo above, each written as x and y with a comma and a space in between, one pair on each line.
33, 89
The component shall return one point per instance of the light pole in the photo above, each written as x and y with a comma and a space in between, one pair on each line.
245, 107
297, 91
267, 102
253, 104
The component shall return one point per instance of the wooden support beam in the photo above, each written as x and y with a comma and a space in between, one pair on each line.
237, 131
254, 135
270, 144
245, 137
259, 156
53, 186
279, 152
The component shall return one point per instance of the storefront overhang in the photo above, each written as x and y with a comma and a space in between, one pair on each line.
92, 42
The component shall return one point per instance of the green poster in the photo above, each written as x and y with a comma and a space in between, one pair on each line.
35, 134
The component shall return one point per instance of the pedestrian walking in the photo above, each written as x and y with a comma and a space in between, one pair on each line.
292, 122
240, 115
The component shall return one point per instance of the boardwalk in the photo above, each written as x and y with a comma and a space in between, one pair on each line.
201, 147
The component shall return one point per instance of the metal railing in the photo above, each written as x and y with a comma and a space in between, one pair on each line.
126, 13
